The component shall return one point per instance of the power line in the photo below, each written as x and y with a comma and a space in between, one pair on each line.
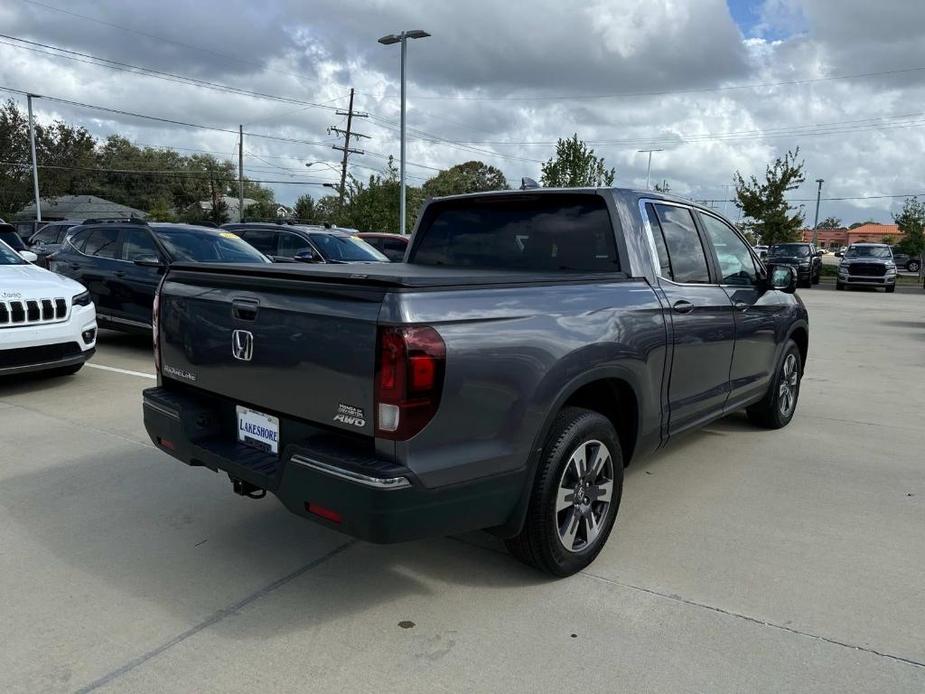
151, 72
611, 95
219, 54
156, 172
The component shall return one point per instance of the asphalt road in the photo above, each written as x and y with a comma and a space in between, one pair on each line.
742, 560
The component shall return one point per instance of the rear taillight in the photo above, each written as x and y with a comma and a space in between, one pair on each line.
409, 380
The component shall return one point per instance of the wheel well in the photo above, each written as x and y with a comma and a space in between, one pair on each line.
801, 337
616, 400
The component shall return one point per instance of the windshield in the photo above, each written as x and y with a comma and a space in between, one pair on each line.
869, 252
346, 248
204, 246
11, 239
790, 250
9, 257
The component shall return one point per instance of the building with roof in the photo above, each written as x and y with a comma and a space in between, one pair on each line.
866, 233
80, 207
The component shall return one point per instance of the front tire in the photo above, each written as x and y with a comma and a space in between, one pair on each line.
839, 286
575, 496
779, 404
890, 289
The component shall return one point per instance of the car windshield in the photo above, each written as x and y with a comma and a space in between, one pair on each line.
869, 252
789, 250
9, 257
346, 248
206, 246
11, 239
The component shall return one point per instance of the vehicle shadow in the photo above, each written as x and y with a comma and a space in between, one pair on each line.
176, 538
34, 382
135, 342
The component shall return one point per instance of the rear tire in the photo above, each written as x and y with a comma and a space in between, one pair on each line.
912, 266
777, 407
574, 500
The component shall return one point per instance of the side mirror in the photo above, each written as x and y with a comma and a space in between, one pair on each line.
148, 261
28, 256
783, 278
307, 256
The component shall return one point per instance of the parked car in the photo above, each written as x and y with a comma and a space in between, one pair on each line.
12, 239
867, 265
904, 260
392, 246
121, 264
47, 322
307, 244
805, 258
532, 345
49, 238
762, 252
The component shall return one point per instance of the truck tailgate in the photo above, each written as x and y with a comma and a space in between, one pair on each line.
274, 344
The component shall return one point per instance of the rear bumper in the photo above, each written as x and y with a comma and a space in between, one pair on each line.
372, 500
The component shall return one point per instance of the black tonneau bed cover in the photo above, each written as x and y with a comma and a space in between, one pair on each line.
401, 275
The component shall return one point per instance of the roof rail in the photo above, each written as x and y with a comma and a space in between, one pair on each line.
122, 220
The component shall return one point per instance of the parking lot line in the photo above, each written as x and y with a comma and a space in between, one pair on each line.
128, 372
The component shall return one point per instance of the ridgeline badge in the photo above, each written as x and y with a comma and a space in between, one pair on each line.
348, 414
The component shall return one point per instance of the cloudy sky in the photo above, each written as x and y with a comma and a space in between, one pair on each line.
718, 85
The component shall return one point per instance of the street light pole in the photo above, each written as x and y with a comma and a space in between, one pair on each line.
35, 167
649, 167
820, 181
386, 41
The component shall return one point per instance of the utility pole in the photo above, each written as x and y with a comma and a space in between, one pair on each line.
820, 181
35, 166
240, 173
348, 133
649, 167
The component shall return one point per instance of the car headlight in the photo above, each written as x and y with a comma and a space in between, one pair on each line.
82, 299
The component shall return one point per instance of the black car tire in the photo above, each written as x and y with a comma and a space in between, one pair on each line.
817, 277
839, 285
540, 542
890, 289
768, 413
912, 266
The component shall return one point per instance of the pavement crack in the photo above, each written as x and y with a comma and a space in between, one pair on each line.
755, 620
215, 618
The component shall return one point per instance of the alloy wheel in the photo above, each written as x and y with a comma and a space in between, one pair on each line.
584, 495
789, 383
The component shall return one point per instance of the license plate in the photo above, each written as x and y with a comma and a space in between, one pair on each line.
258, 429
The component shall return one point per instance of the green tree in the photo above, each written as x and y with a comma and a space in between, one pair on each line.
372, 205
830, 223
911, 221
305, 208
763, 203
263, 210
161, 211
860, 224
470, 177
575, 166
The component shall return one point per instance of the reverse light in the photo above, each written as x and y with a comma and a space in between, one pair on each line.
409, 379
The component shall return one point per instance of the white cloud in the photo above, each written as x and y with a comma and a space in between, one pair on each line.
317, 51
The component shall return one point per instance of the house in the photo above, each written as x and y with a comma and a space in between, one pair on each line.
839, 238
80, 207
231, 206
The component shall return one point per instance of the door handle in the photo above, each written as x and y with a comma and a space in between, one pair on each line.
682, 306
740, 305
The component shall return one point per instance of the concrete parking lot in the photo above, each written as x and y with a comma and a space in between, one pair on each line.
742, 560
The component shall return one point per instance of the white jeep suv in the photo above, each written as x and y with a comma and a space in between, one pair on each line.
47, 322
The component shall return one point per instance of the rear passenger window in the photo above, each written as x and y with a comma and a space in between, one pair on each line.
138, 243
264, 241
682, 242
664, 261
103, 243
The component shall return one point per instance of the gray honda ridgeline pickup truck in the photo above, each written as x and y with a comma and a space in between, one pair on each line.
532, 344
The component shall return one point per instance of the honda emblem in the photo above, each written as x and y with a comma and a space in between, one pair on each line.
242, 345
